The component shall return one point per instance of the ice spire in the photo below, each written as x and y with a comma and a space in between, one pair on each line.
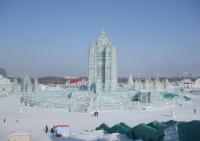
35, 85
130, 80
15, 85
103, 35
102, 65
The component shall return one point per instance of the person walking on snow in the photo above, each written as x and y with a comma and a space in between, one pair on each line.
46, 129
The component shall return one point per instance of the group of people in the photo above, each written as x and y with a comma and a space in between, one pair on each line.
47, 129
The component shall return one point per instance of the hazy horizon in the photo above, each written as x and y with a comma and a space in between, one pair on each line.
52, 38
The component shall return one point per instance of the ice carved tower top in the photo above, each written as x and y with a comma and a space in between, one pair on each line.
102, 65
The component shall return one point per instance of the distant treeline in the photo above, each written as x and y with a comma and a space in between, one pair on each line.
62, 80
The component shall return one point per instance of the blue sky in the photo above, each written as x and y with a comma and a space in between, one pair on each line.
41, 37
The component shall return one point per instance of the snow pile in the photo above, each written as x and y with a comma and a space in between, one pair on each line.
98, 136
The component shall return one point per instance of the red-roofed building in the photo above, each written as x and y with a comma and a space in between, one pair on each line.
78, 82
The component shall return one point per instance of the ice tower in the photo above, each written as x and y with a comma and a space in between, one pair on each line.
130, 81
102, 65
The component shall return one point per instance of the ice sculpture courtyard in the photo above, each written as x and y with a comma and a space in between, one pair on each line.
102, 92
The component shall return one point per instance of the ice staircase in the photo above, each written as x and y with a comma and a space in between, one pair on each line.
156, 99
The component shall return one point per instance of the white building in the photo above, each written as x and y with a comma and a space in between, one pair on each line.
197, 83
187, 83
102, 65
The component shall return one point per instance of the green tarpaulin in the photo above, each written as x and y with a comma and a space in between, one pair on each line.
158, 125
147, 133
104, 127
154, 131
189, 131
170, 122
122, 128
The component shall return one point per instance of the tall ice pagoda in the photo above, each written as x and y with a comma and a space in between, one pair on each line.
102, 65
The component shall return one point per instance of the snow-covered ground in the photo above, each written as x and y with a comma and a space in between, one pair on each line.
34, 119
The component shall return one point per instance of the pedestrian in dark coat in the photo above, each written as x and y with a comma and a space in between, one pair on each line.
195, 111
46, 129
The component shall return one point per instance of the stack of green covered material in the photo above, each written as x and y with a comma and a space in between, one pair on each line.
125, 125
154, 131
104, 127
121, 128
147, 133
189, 131
157, 125
130, 133
142, 131
170, 122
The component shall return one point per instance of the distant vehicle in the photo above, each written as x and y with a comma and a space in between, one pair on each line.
61, 130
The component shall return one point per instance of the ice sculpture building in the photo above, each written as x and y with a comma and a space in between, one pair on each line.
102, 65
26, 85
103, 92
